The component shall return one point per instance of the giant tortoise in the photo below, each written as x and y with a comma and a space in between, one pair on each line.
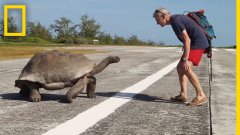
56, 70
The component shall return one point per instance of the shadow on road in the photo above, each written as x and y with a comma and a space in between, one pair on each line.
11, 96
61, 98
45, 97
133, 96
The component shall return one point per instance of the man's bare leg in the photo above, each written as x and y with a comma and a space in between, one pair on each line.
195, 82
183, 80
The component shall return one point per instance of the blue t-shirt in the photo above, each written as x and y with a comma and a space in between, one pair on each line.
197, 36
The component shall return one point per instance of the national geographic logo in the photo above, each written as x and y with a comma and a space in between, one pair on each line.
23, 18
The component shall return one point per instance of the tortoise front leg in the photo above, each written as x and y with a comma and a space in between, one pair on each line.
91, 86
24, 91
76, 89
34, 92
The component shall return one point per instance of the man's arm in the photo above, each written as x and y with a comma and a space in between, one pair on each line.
186, 44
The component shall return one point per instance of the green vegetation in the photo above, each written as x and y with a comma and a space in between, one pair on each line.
65, 32
24, 51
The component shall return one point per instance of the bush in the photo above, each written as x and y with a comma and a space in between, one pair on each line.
12, 39
66, 40
80, 41
35, 40
25, 39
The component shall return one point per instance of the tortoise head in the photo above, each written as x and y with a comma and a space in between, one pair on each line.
114, 59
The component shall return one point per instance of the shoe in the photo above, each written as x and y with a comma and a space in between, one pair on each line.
179, 98
196, 102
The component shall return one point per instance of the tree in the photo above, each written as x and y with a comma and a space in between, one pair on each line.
12, 26
161, 43
1, 26
38, 30
89, 27
150, 42
105, 38
64, 29
119, 40
133, 40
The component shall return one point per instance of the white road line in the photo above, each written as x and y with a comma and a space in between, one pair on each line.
231, 50
88, 118
163, 48
215, 49
181, 51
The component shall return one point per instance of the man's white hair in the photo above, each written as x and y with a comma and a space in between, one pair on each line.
162, 11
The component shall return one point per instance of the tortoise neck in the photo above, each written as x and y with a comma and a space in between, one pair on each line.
101, 66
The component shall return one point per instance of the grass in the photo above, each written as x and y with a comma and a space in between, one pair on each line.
17, 52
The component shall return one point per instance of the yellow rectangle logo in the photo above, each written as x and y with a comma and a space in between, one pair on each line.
23, 9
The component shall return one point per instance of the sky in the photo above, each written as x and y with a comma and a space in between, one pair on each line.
134, 17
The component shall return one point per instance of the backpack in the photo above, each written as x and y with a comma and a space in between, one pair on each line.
201, 20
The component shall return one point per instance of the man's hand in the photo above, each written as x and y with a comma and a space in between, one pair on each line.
186, 65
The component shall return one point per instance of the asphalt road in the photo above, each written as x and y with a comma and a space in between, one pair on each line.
146, 113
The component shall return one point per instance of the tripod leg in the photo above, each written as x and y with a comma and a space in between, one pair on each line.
211, 69
209, 72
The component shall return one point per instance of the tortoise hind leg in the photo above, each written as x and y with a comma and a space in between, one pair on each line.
91, 86
34, 92
76, 89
